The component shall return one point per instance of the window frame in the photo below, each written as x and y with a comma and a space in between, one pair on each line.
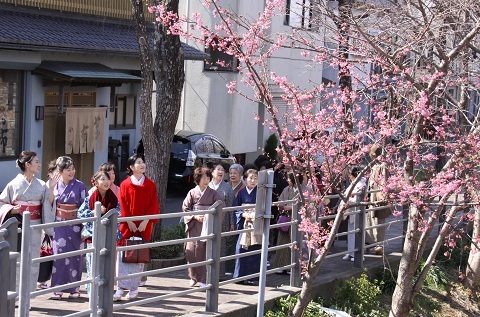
212, 66
19, 114
307, 16
114, 112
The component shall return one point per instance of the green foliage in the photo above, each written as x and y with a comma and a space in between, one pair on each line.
170, 251
284, 307
436, 277
271, 147
358, 297
388, 281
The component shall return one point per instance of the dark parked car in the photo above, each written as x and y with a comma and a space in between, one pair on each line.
191, 150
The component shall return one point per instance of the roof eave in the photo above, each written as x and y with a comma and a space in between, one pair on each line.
64, 49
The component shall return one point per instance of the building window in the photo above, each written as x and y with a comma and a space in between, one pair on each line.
11, 103
70, 99
220, 61
299, 14
123, 116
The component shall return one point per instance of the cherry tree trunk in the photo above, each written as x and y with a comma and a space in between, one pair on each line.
472, 276
305, 296
402, 299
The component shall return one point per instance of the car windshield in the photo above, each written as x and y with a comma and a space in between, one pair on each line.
219, 149
204, 145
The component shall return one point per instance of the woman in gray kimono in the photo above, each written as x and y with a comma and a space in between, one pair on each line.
282, 256
227, 194
199, 198
28, 193
236, 181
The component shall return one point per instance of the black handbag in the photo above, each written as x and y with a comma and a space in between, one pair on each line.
45, 269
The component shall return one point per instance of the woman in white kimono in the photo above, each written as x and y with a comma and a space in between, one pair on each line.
28, 193
355, 197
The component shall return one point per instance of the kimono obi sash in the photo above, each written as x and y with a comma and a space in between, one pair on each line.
67, 211
33, 207
200, 207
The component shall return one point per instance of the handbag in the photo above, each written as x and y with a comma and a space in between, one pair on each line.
137, 255
282, 219
45, 269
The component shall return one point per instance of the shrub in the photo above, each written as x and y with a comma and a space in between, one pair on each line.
358, 296
284, 307
170, 251
436, 277
388, 281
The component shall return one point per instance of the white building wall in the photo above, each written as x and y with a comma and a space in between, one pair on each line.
207, 105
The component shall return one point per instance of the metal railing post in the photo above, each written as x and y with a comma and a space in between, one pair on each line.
107, 255
213, 252
263, 209
4, 278
25, 267
11, 237
359, 255
96, 238
296, 253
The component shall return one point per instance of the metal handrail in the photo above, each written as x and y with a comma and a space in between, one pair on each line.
294, 245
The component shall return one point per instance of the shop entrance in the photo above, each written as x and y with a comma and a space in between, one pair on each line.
54, 132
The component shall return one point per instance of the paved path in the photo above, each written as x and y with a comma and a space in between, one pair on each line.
236, 294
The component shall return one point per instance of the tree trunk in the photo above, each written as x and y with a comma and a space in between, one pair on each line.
305, 296
402, 299
168, 65
169, 77
472, 275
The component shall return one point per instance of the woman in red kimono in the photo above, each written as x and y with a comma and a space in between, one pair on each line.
137, 197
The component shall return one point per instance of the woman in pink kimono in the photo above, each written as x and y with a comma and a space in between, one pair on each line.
26, 192
199, 198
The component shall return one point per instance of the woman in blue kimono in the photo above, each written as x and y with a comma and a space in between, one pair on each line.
69, 193
244, 218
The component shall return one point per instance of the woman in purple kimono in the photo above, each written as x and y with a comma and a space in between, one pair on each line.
69, 193
199, 198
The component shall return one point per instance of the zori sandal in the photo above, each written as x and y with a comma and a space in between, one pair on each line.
56, 296
74, 295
